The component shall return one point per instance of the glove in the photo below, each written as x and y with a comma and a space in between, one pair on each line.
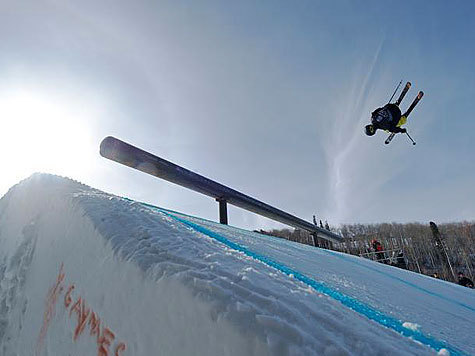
403, 130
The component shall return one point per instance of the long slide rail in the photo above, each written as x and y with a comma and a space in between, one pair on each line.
134, 157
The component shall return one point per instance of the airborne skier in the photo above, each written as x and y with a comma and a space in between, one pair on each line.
389, 117
386, 118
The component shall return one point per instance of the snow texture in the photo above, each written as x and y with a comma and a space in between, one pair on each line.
83, 272
411, 326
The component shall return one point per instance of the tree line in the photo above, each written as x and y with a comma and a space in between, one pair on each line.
436, 250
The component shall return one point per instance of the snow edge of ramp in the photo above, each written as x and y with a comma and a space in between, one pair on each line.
350, 302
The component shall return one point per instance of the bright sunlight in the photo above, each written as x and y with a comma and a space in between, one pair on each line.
41, 133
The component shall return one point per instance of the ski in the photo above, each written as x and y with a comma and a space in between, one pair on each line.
414, 103
390, 138
403, 93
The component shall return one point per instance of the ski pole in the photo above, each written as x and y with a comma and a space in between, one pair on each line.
410, 138
395, 91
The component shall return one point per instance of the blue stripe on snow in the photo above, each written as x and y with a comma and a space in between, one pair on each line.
350, 259
343, 257
320, 287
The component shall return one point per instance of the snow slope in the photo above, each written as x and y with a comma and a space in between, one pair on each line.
83, 272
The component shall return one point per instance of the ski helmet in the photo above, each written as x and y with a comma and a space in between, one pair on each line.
370, 130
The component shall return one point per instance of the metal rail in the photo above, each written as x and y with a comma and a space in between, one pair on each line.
131, 156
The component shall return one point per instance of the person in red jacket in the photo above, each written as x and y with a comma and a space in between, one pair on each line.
378, 248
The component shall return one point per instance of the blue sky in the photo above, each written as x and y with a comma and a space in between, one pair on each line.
268, 97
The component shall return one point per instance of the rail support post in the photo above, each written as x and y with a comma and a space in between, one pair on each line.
223, 211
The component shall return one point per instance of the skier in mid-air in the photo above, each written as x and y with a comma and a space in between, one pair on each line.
389, 117
386, 118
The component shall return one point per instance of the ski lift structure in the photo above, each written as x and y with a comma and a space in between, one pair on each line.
136, 158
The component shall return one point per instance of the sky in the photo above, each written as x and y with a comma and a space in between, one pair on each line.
269, 98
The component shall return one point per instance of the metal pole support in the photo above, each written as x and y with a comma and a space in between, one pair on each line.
223, 211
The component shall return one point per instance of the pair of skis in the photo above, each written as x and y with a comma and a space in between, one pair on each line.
408, 111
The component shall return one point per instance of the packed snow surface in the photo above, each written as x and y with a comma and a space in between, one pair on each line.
83, 272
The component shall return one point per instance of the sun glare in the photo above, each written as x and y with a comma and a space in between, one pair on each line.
41, 134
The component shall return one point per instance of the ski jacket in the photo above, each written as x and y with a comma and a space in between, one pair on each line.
377, 246
387, 118
466, 282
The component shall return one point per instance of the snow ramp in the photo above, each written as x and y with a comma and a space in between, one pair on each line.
83, 272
